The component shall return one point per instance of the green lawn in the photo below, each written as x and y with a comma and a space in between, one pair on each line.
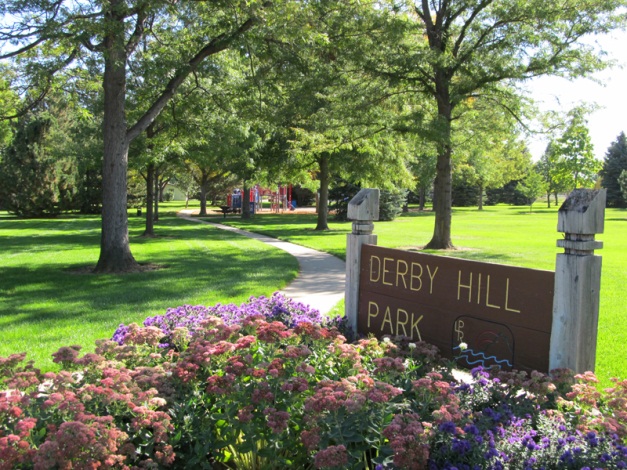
501, 234
45, 304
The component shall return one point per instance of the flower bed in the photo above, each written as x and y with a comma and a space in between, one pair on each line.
270, 385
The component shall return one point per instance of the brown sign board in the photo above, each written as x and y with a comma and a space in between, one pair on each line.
502, 313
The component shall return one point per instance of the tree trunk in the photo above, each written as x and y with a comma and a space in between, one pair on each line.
204, 190
556, 203
443, 186
480, 196
246, 201
548, 199
115, 251
149, 230
323, 204
422, 196
156, 195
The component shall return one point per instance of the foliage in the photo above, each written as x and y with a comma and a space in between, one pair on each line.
614, 164
391, 201
508, 194
340, 195
623, 183
573, 154
531, 187
489, 150
259, 394
32, 182
466, 192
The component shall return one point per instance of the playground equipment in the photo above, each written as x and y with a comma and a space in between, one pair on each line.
280, 200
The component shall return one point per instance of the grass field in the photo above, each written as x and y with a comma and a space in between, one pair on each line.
45, 304
501, 234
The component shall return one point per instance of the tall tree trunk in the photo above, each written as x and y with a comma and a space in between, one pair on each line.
246, 201
556, 202
115, 251
156, 195
443, 186
548, 198
323, 204
422, 196
149, 230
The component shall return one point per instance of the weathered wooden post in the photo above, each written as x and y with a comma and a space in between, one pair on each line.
363, 209
577, 282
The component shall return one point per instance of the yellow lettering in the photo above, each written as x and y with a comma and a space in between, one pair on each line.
479, 290
370, 315
507, 299
414, 324
465, 286
487, 295
431, 277
401, 323
400, 273
378, 271
385, 260
387, 319
413, 276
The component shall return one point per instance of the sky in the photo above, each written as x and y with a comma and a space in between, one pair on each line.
605, 124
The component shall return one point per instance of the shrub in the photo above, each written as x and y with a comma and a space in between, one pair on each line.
237, 390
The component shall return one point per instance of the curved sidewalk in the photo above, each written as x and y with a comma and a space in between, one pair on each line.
321, 280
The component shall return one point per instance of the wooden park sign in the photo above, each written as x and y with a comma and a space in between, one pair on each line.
501, 313
514, 318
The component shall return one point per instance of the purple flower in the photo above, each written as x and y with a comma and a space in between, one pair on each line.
277, 308
449, 427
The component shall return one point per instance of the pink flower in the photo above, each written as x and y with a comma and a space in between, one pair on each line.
332, 456
66, 354
245, 415
277, 420
245, 342
311, 438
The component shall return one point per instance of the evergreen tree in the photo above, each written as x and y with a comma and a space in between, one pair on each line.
614, 164
622, 180
30, 179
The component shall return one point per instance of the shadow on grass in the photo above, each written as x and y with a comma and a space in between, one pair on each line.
51, 291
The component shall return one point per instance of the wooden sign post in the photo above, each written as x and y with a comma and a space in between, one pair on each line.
363, 209
577, 282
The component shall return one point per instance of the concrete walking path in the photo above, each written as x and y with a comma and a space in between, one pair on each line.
321, 280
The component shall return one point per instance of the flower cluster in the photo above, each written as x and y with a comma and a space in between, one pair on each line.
258, 386
190, 318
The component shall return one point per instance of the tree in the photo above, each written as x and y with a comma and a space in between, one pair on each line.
488, 147
57, 35
614, 164
458, 49
573, 153
313, 98
532, 187
32, 182
547, 167
622, 180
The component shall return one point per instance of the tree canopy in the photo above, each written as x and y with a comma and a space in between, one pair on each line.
454, 50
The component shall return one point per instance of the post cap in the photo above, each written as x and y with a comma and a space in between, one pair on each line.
365, 205
583, 212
